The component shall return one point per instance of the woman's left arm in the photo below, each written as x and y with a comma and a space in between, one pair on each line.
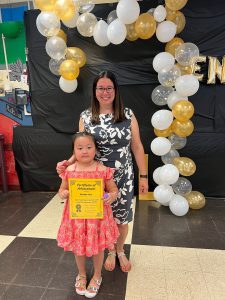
138, 151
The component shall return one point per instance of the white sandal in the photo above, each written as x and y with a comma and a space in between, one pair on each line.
111, 253
125, 268
81, 282
92, 290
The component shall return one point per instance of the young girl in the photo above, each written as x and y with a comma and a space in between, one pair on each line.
88, 237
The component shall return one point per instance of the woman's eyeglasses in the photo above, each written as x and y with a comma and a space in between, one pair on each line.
108, 89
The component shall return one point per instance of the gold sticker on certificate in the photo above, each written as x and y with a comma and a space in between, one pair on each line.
86, 198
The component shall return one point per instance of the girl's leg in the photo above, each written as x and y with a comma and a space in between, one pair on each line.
80, 261
81, 280
98, 262
96, 280
124, 262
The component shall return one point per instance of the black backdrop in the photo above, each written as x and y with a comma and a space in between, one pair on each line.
55, 114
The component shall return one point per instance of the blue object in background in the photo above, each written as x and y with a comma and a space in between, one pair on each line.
13, 14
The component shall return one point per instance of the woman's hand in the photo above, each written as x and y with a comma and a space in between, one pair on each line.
64, 194
61, 166
143, 185
110, 197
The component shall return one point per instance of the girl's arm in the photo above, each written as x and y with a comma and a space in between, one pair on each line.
111, 190
63, 190
138, 151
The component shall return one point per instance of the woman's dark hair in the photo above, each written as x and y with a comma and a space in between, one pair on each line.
84, 134
117, 103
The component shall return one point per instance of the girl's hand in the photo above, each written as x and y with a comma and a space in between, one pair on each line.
64, 194
61, 166
110, 197
143, 185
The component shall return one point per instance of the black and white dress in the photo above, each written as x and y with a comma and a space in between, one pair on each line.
114, 141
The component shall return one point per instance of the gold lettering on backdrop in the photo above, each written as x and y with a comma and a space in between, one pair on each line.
196, 68
216, 69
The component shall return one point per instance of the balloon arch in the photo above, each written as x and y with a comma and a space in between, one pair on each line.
177, 83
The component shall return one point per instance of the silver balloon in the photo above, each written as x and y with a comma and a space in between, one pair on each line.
151, 11
160, 94
168, 78
56, 47
48, 24
177, 142
86, 24
86, 8
182, 187
112, 16
54, 66
168, 157
186, 54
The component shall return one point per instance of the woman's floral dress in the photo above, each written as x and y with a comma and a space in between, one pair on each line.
87, 236
114, 141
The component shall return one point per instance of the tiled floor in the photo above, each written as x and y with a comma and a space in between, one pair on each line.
172, 257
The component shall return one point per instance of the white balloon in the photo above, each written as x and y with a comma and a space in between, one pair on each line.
163, 193
178, 205
162, 119
168, 174
72, 23
116, 32
174, 97
160, 146
187, 85
68, 86
155, 176
186, 54
100, 34
159, 13
56, 47
164, 61
166, 31
128, 11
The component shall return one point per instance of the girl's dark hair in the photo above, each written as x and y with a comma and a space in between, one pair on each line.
84, 134
117, 103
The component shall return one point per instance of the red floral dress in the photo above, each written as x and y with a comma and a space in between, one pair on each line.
87, 236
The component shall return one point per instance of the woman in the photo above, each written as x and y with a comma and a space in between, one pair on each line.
116, 131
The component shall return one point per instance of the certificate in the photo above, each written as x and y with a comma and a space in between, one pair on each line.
86, 198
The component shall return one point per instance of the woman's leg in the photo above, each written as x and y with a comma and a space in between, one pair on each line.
124, 262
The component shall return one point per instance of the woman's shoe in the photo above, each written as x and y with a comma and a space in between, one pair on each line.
80, 284
124, 266
110, 262
93, 288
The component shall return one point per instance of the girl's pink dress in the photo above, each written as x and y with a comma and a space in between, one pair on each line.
87, 236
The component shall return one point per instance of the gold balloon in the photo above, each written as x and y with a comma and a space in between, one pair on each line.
163, 133
182, 129
172, 45
77, 55
69, 69
185, 70
45, 5
180, 21
196, 200
170, 14
145, 26
62, 34
183, 110
131, 32
185, 165
175, 4
65, 9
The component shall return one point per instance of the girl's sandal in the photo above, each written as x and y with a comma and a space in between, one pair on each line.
124, 267
93, 288
80, 284
110, 262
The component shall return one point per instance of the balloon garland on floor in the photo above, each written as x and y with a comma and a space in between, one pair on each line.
174, 74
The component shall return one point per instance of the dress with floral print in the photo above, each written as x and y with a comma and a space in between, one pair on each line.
114, 141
